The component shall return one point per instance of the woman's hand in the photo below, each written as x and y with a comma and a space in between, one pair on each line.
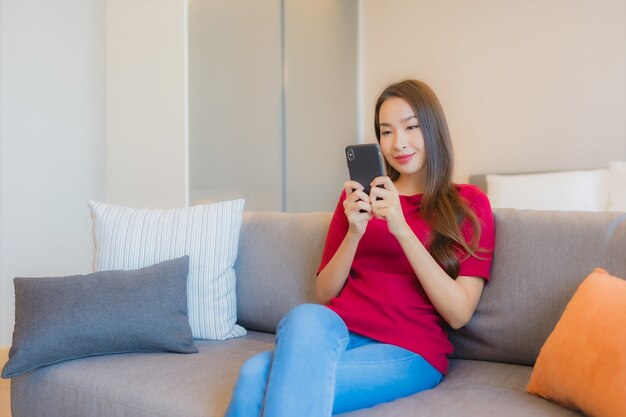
386, 205
357, 208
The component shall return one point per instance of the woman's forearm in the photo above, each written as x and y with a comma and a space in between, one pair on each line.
449, 297
332, 278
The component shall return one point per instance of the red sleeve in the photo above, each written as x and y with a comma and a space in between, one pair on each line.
479, 266
336, 232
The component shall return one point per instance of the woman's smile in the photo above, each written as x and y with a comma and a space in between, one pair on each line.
404, 159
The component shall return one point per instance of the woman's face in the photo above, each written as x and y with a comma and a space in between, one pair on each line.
401, 139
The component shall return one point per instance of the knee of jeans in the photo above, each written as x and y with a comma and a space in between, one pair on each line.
314, 319
257, 366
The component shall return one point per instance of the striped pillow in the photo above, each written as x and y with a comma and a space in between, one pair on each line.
131, 238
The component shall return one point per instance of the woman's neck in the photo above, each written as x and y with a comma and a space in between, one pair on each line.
410, 185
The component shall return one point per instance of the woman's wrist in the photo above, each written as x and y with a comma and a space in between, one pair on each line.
403, 232
354, 235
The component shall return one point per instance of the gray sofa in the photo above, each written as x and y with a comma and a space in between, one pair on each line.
540, 259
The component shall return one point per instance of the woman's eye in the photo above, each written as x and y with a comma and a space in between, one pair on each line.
385, 132
413, 127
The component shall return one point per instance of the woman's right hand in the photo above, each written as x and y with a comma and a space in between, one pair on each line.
356, 200
331, 280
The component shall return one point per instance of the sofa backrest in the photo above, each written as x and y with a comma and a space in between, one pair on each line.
276, 263
539, 260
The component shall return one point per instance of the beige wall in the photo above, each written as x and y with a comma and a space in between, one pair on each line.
146, 103
235, 102
526, 85
320, 100
272, 101
92, 106
51, 139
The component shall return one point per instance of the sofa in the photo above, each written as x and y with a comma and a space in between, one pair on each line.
540, 258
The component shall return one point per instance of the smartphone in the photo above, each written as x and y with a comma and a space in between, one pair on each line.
365, 162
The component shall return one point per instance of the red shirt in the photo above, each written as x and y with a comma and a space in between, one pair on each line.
382, 297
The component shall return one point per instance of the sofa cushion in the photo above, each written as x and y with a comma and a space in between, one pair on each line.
617, 186
63, 318
138, 385
278, 256
582, 365
539, 260
565, 190
473, 389
128, 238
160, 385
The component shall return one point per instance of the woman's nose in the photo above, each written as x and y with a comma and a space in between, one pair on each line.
399, 141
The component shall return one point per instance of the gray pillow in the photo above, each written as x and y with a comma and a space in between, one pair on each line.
63, 318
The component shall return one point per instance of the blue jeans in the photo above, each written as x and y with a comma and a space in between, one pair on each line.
319, 368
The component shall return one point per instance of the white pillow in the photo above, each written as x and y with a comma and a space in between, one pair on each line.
617, 186
131, 238
567, 190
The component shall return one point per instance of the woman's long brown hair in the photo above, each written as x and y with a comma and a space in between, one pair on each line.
442, 206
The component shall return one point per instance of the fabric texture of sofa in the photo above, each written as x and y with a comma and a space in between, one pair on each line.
540, 259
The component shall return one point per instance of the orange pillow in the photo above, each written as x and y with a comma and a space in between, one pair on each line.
582, 364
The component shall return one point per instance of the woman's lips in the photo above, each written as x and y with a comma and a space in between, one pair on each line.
404, 159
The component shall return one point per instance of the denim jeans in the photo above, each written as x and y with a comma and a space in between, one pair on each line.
319, 369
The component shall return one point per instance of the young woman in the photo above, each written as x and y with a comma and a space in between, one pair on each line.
400, 265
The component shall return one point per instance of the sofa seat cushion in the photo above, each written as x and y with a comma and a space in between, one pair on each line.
139, 384
168, 384
473, 389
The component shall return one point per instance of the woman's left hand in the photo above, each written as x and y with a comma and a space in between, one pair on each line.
386, 205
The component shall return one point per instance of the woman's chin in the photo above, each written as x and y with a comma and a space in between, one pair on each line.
407, 171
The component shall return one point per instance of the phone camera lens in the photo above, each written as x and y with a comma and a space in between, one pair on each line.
350, 155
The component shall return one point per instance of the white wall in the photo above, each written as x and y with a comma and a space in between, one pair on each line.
51, 139
320, 100
526, 85
92, 106
146, 103
272, 101
235, 78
